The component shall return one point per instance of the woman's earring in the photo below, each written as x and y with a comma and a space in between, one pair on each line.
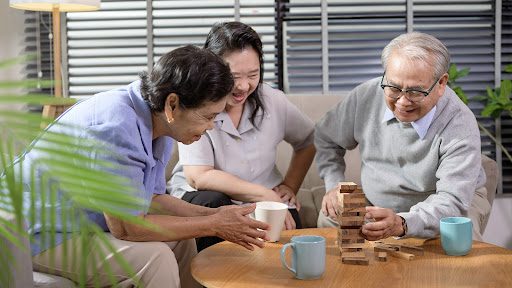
169, 119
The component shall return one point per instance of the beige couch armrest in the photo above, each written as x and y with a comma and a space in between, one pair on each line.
309, 207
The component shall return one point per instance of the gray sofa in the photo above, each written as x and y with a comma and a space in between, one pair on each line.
310, 194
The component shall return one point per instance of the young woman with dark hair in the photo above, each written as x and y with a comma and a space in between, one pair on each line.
236, 160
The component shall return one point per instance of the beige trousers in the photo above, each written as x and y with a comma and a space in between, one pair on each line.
478, 213
155, 264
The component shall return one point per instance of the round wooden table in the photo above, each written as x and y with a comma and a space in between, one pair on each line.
229, 265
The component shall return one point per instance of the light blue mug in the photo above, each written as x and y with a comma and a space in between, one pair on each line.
456, 235
308, 256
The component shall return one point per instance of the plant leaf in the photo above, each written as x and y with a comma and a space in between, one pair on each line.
508, 68
489, 110
505, 89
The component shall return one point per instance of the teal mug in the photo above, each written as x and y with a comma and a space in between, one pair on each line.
308, 256
456, 235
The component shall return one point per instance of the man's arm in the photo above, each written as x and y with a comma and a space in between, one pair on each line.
334, 133
458, 174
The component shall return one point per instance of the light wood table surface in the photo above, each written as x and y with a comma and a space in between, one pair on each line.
229, 265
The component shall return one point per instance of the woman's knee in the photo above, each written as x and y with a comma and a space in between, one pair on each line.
157, 266
157, 252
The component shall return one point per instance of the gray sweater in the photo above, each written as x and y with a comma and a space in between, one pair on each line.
423, 180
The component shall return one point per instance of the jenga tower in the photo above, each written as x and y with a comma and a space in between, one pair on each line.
350, 214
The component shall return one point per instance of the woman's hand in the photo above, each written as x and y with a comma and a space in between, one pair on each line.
289, 223
233, 225
287, 195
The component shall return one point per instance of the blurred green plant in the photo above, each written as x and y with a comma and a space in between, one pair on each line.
497, 101
69, 183
453, 75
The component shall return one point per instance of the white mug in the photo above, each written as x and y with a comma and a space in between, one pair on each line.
273, 213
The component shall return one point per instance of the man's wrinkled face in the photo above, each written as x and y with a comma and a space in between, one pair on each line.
407, 74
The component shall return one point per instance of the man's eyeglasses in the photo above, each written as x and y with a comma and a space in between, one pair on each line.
412, 95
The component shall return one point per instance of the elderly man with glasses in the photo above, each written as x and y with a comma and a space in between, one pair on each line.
419, 144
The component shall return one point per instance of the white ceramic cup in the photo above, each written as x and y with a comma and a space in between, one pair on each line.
273, 213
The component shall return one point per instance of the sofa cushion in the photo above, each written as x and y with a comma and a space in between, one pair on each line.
43, 280
311, 203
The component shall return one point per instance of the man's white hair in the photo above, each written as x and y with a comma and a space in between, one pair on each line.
422, 47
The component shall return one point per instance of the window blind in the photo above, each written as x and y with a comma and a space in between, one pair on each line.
108, 48
357, 32
38, 26
506, 59
177, 23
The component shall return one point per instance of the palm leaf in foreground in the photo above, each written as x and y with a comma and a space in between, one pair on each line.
63, 183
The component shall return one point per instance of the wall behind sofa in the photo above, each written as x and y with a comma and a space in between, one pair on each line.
11, 37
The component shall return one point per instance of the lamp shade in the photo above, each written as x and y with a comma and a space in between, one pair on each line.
62, 5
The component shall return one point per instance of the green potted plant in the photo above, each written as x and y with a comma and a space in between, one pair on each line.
76, 180
497, 101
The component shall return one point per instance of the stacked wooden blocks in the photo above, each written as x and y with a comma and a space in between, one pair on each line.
350, 214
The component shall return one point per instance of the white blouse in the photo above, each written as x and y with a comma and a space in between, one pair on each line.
247, 152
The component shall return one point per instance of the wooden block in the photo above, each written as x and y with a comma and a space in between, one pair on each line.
344, 213
412, 250
356, 221
391, 251
347, 186
351, 241
384, 248
353, 195
347, 240
350, 226
381, 256
358, 254
350, 233
345, 232
345, 205
345, 199
355, 261
361, 210
348, 197
357, 224
351, 198
401, 255
353, 245
349, 213
352, 236
349, 250
351, 218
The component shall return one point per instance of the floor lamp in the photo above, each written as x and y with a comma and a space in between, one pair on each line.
56, 6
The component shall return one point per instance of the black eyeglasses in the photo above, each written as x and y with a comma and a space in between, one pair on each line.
412, 95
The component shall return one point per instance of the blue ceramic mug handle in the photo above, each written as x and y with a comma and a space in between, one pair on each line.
283, 257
